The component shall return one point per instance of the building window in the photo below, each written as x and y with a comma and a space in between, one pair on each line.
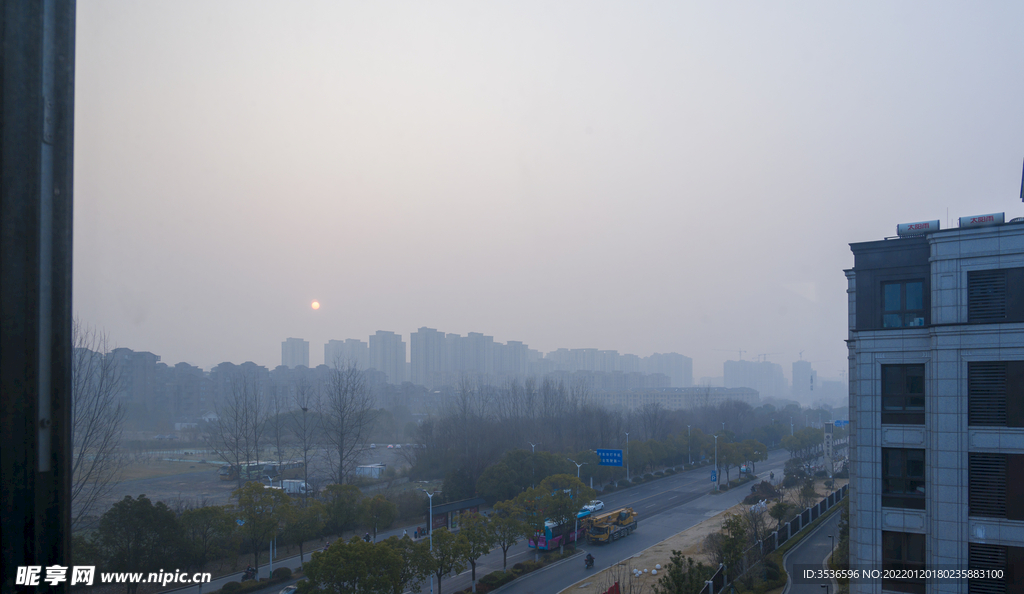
903, 304
903, 478
994, 557
995, 393
903, 394
995, 296
996, 485
902, 550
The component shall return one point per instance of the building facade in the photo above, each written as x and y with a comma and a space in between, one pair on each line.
295, 352
936, 363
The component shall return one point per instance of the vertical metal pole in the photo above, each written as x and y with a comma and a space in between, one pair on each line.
37, 55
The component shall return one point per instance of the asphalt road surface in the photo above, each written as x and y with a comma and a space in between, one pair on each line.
666, 507
810, 553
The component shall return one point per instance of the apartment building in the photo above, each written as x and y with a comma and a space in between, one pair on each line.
936, 355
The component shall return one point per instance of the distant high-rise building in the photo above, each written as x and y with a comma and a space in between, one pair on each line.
387, 354
764, 376
350, 351
428, 357
295, 352
676, 366
805, 382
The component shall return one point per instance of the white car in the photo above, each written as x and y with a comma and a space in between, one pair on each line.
595, 505
289, 589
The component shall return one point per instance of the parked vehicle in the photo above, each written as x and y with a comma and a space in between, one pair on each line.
296, 487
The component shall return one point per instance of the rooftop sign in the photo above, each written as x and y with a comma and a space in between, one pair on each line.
909, 229
982, 220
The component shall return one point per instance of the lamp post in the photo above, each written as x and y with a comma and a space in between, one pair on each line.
717, 478
689, 444
833, 547
430, 530
791, 425
578, 466
576, 528
533, 463
627, 455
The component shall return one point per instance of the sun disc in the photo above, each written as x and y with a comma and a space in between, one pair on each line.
316, 305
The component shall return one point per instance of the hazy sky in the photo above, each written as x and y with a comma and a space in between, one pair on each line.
644, 177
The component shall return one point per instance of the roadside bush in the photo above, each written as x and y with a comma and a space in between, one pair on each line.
519, 566
609, 487
668, 471
790, 481
623, 483
648, 477
659, 474
638, 479
281, 573
230, 587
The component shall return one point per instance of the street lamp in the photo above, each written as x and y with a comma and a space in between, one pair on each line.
533, 462
627, 455
717, 478
689, 444
430, 530
576, 529
833, 548
791, 425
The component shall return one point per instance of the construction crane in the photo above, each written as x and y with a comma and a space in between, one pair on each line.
766, 355
741, 351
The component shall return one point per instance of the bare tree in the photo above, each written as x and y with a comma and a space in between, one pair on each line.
651, 417
346, 411
241, 420
304, 426
97, 422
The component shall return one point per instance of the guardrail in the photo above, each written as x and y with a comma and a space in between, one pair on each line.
774, 540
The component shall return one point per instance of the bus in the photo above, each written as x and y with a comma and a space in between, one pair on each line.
556, 535
290, 469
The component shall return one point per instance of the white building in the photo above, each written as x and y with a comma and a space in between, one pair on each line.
936, 349
295, 352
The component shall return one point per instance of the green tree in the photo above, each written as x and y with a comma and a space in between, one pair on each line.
497, 483
531, 501
207, 532
412, 568
682, 576
377, 512
261, 511
341, 502
734, 532
448, 553
508, 526
305, 523
564, 496
135, 535
352, 567
780, 512
479, 540
458, 485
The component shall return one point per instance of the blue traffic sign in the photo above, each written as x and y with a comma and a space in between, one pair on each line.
609, 457
842, 423
714, 476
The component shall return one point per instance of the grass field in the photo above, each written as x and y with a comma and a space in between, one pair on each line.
143, 469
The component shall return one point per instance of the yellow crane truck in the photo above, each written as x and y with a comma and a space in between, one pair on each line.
610, 526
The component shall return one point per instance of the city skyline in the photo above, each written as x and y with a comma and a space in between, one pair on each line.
665, 178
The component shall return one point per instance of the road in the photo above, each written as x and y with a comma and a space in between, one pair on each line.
810, 553
666, 506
